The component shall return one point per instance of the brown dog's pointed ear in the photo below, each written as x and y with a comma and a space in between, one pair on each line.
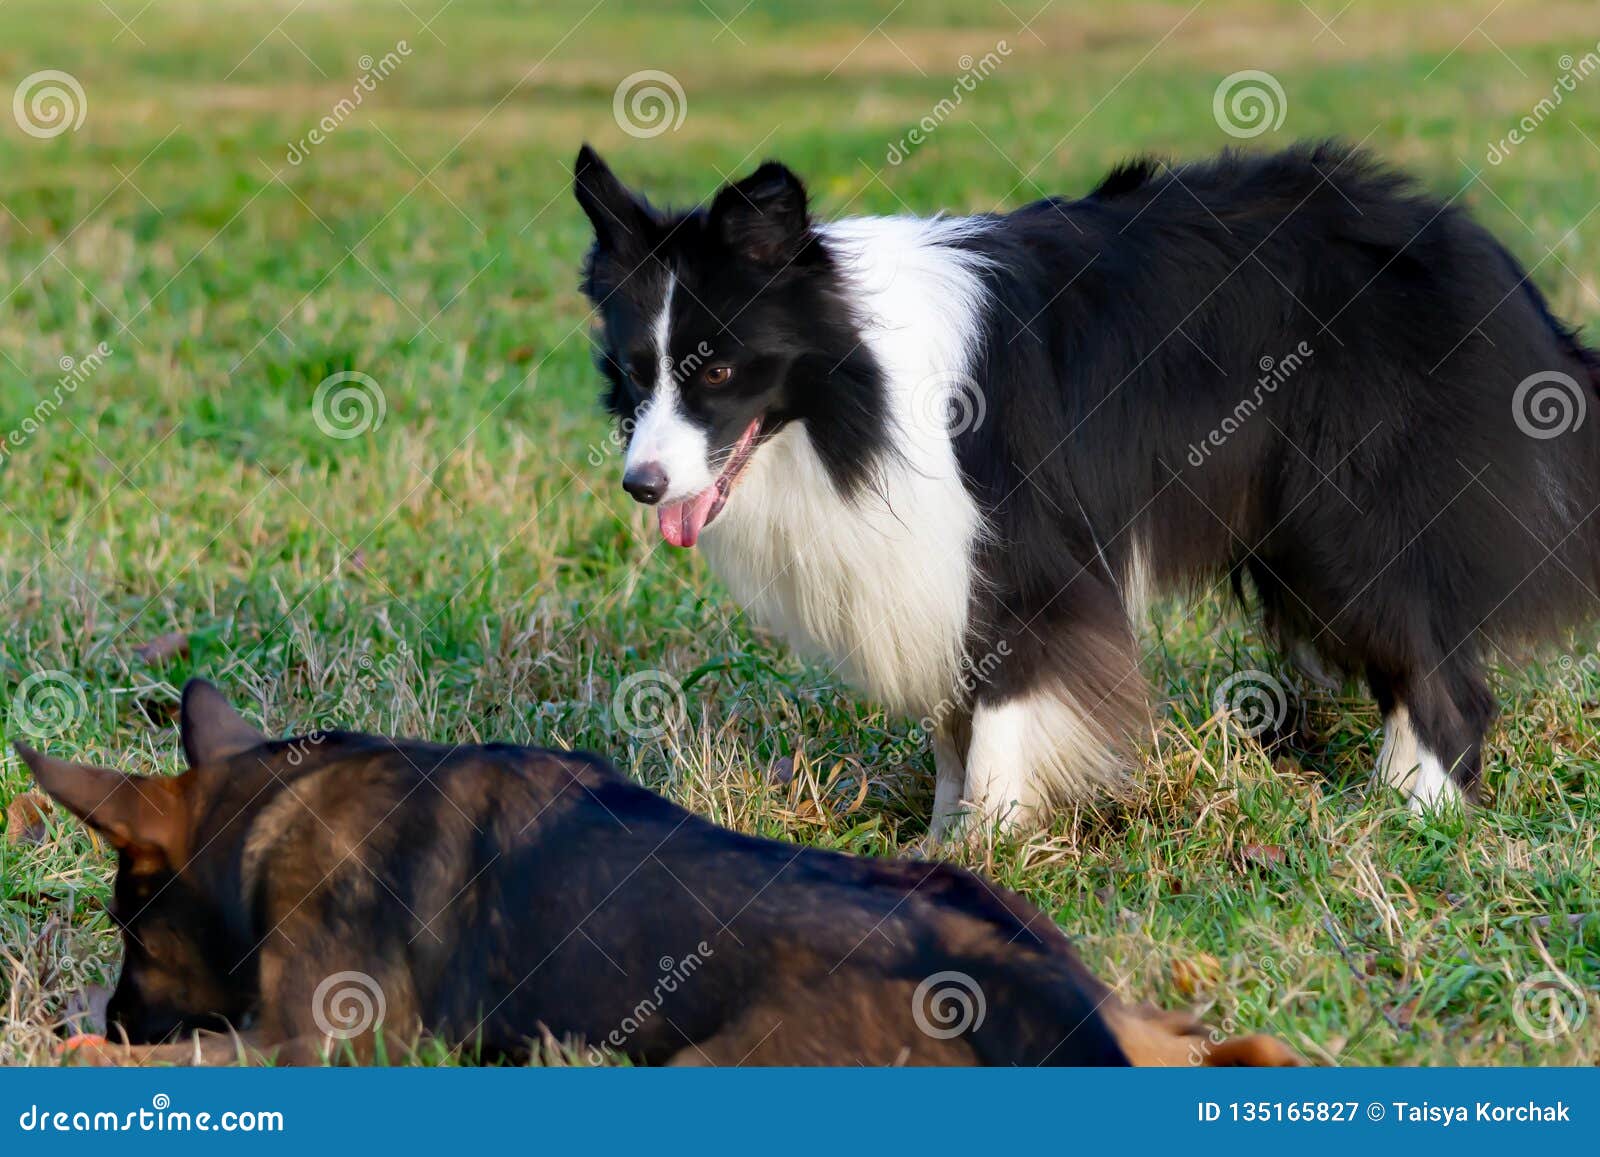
145, 816
617, 215
212, 729
763, 217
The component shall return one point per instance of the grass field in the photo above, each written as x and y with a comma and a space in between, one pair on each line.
465, 567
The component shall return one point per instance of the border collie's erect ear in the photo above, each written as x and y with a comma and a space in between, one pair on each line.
212, 729
763, 217
145, 816
616, 214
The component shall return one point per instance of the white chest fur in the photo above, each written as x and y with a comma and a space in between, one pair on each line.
877, 586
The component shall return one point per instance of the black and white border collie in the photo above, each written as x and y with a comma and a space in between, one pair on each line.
954, 456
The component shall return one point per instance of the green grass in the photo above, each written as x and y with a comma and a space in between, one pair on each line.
468, 570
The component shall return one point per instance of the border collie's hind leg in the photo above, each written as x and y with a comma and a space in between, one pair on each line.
1055, 719
1433, 728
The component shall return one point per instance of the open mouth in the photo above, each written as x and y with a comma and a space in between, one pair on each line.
681, 522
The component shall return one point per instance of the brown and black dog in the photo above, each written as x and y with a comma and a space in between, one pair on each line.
345, 895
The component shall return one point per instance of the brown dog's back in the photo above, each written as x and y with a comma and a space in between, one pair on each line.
344, 893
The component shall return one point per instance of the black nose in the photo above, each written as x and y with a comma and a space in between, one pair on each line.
646, 482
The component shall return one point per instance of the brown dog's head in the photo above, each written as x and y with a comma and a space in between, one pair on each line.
180, 957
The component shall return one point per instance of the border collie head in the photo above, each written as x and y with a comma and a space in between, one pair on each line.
718, 327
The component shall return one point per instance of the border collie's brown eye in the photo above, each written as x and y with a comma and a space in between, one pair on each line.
718, 375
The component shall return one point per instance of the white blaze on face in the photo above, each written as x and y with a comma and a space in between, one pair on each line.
662, 432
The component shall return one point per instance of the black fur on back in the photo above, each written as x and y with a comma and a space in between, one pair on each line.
1379, 493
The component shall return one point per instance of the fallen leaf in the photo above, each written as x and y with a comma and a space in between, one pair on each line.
1263, 854
163, 647
522, 353
25, 818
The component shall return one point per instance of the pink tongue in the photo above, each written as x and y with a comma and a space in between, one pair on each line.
682, 522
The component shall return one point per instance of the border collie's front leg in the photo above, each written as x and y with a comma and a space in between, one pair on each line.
950, 740
1053, 723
